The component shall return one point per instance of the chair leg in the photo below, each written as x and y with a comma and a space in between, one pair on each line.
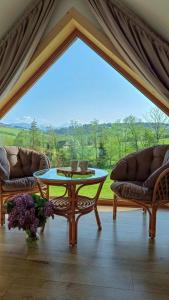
114, 207
144, 210
152, 225
98, 219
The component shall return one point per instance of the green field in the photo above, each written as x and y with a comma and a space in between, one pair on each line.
8, 135
89, 190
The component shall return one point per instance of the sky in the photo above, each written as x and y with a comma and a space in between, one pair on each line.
80, 86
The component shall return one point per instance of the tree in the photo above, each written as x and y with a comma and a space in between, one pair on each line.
119, 132
51, 144
34, 135
102, 155
23, 138
133, 129
94, 136
158, 122
20, 139
73, 140
147, 138
61, 159
80, 139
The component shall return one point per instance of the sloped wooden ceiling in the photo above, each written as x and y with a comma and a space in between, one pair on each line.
154, 13
56, 41
10, 12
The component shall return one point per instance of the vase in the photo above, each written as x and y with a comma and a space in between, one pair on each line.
31, 236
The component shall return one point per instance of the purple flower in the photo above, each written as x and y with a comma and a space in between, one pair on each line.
28, 212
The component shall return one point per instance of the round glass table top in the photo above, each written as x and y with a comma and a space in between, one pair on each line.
53, 176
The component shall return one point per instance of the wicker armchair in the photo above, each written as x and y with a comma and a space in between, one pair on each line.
17, 166
143, 178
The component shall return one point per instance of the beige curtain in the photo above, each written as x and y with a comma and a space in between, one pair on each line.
18, 46
144, 51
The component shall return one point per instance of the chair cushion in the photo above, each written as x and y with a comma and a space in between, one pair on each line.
151, 180
14, 161
4, 165
18, 184
131, 190
30, 161
132, 168
24, 162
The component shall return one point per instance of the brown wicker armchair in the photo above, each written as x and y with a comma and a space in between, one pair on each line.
143, 178
17, 166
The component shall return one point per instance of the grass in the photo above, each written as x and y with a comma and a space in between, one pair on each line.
10, 131
8, 135
106, 192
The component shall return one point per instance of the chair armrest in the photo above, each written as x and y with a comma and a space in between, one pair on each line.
3, 173
44, 162
161, 188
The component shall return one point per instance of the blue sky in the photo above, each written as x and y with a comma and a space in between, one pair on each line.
80, 86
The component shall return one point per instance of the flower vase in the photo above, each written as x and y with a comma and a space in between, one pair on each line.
31, 236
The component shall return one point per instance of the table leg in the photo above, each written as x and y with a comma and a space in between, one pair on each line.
72, 232
72, 217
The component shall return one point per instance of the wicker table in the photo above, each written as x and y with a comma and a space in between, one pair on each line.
72, 205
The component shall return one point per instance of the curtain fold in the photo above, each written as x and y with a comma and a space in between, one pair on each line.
19, 44
143, 50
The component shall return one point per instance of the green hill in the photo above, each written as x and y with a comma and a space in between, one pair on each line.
8, 135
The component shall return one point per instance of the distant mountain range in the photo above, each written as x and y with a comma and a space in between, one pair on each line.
17, 125
67, 127
22, 125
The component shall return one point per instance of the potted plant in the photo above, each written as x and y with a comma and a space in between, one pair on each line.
28, 212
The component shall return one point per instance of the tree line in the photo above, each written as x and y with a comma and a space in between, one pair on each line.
102, 144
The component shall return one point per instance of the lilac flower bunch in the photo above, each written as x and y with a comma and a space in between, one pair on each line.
28, 212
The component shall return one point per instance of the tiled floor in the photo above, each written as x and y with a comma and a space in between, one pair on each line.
118, 263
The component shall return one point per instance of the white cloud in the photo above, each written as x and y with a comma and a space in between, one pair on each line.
29, 119
24, 119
